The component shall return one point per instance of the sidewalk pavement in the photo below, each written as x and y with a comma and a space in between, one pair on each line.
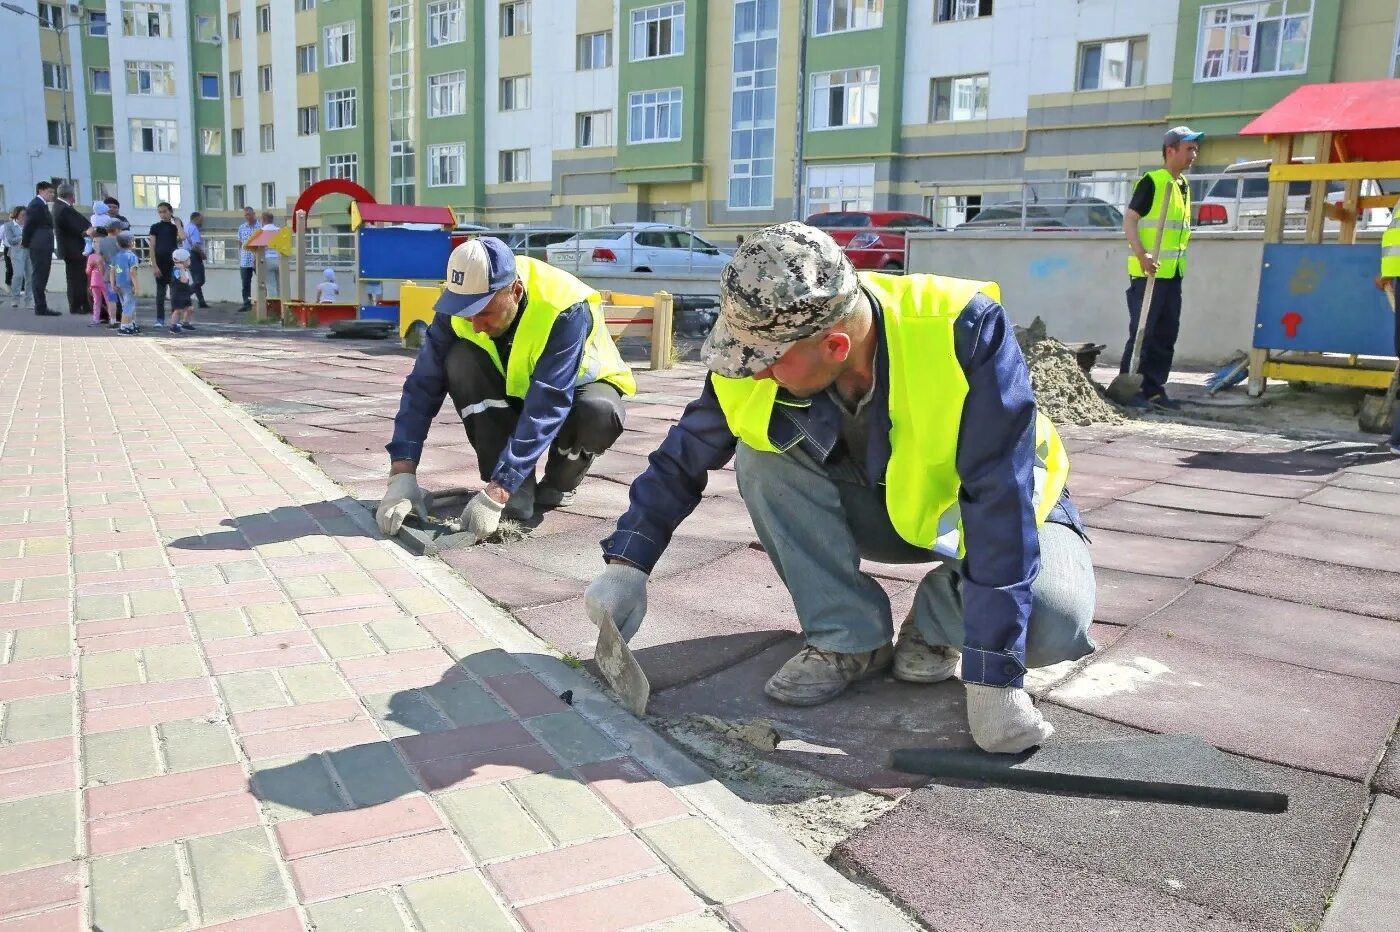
226, 702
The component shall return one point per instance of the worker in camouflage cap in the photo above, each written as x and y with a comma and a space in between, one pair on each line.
881, 417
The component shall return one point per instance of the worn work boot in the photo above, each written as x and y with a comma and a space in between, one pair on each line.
547, 496
918, 661
816, 675
521, 506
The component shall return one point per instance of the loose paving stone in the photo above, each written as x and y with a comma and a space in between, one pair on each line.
712, 866
1367, 899
575, 741
38, 830
235, 875
491, 823
439, 903
564, 807
1172, 523
1209, 501
1142, 553
1310, 582
150, 877
1356, 500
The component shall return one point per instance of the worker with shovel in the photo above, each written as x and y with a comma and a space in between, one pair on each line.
888, 417
1158, 227
1389, 282
524, 352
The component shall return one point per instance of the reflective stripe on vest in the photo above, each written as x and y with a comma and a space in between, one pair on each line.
1390, 247
551, 291
1171, 257
926, 392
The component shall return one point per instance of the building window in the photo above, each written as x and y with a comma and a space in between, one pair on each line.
753, 115
55, 78
340, 109
654, 116
843, 99
1113, 64
149, 190
269, 194
840, 187
235, 27
235, 140
1247, 40
148, 20
343, 166
97, 23
266, 138
445, 165
962, 98
515, 18
211, 141
101, 80
211, 196
60, 134
153, 136
150, 78
240, 195
594, 51
104, 139
209, 86
51, 16
586, 217
515, 93
306, 59
304, 5
308, 121
830, 16
515, 166
946, 11
235, 84
447, 94
340, 44
658, 31
265, 79
306, 177
205, 30
593, 129
447, 22
265, 18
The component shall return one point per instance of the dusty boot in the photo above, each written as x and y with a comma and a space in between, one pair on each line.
547, 496
816, 675
918, 661
521, 506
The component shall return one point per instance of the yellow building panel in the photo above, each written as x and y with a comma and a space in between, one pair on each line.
1364, 40
304, 27
308, 90
595, 16
962, 128
1090, 161
1115, 96
515, 56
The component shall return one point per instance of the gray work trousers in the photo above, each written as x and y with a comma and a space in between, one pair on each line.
816, 524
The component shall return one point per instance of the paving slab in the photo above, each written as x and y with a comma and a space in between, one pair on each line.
1222, 480
1126, 598
1272, 711
1171, 523
1209, 501
1311, 582
1350, 549
1367, 898
1369, 502
1387, 778
1153, 556
1319, 518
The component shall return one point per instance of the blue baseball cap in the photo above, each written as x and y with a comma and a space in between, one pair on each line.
1180, 134
477, 269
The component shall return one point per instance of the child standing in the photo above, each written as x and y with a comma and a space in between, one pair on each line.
181, 292
123, 274
328, 292
97, 278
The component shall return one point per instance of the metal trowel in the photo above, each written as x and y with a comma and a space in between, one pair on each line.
620, 668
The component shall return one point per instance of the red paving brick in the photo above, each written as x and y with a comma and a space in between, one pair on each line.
153, 713
35, 781
132, 830
65, 919
258, 592
300, 838
145, 637
285, 920
487, 767
280, 640
459, 741
48, 607
37, 620
346, 616
612, 909
297, 716
361, 668
312, 738
525, 695
114, 799
36, 753
398, 860
330, 603
87, 629
779, 910
42, 888
557, 872
267, 659
638, 797
28, 567
116, 697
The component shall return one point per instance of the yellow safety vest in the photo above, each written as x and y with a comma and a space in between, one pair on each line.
552, 291
1390, 246
926, 392
1171, 258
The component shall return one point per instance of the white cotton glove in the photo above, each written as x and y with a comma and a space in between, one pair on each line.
482, 516
402, 497
619, 595
1003, 720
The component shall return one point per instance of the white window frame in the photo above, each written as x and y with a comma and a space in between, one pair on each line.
1226, 67
211, 196
235, 26
218, 85
240, 196
92, 83
211, 140
447, 22
1104, 79
857, 86
308, 175
55, 132
651, 101
344, 165
338, 108
447, 163
341, 38
267, 138
262, 16
860, 15
519, 161
149, 190
590, 216
589, 41
158, 72
51, 16
269, 195
164, 134
236, 144
954, 88
305, 5
518, 22
98, 132
447, 94
849, 195
97, 24
308, 120
144, 10
640, 34
517, 88
264, 79
956, 11
753, 133
593, 120
235, 85
306, 56
54, 77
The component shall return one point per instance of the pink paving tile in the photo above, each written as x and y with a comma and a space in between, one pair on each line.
27, 567
1142, 553
181, 820
34, 781
39, 620
257, 592
638, 797
29, 669
612, 909
125, 585
449, 625
362, 667
285, 920
778, 910
557, 872
10, 610
116, 697
298, 716
325, 737
310, 565
398, 860
39, 889
33, 529
329, 603
357, 616
280, 640
301, 838
202, 557
525, 695
127, 540
396, 578
487, 767
124, 625
267, 659
64, 919
473, 739
36, 753
113, 799
149, 637
153, 713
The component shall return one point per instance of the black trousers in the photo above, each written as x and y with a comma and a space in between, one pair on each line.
79, 298
9, 270
40, 261
197, 277
1159, 339
165, 269
246, 276
477, 387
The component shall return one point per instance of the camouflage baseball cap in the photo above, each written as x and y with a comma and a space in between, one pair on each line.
786, 283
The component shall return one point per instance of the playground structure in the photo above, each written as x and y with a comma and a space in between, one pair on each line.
1320, 317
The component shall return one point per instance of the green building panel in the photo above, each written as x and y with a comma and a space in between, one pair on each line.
470, 128
358, 75
206, 59
866, 48
1222, 106
99, 106
662, 162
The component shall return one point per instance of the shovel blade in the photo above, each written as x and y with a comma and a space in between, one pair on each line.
621, 669
1125, 387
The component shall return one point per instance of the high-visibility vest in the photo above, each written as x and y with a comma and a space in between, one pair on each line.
926, 393
1390, 246
1171, 257
552, 291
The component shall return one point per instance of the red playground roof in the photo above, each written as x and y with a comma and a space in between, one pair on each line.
404, 213
1365, 115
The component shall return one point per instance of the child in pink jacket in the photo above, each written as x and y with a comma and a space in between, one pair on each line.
97, 278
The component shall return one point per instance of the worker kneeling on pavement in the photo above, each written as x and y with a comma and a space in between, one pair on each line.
890, 418
524, 352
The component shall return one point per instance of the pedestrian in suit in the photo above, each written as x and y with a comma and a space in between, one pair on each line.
38, 239
70, 231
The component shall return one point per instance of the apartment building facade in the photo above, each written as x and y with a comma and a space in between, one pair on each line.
718, 114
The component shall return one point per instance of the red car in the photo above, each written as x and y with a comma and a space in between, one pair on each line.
873, 239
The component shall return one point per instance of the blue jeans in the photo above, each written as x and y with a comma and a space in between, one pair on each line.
817, 523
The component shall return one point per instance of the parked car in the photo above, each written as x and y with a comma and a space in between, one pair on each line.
637, 247
1242, 203
1075, 213
872, 239
534, 241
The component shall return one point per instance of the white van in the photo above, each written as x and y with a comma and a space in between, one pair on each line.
1241, 203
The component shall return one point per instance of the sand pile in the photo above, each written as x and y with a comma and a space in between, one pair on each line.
1062, 390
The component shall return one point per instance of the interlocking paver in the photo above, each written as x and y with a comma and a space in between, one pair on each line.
313, 683
114, 756
491, 822
235, 874
151, 878
397, 860
371, 773
305, 837
564, 807
38, 830
195, 745
709, 863
554, 873
363, 912
439, 903
38, 718
621, 906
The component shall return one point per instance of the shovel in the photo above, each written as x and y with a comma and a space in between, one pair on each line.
620, 668
1126, 386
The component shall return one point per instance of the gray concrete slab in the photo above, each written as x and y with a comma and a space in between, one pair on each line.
1171, 523
1367, 898
1153, 556
1209, 501
1311, 582
1125, 598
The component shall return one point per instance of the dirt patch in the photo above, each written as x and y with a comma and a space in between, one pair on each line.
1063, 392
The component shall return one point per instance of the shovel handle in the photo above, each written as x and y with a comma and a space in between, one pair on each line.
1151, 283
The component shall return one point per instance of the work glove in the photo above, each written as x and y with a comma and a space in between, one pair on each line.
482, 516
402, 497
619, 595
1003, 719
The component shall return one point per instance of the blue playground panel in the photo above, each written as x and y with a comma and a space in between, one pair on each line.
1323, 299
389, 312
394, 252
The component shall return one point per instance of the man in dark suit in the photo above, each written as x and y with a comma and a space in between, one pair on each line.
37, 237
69, 228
